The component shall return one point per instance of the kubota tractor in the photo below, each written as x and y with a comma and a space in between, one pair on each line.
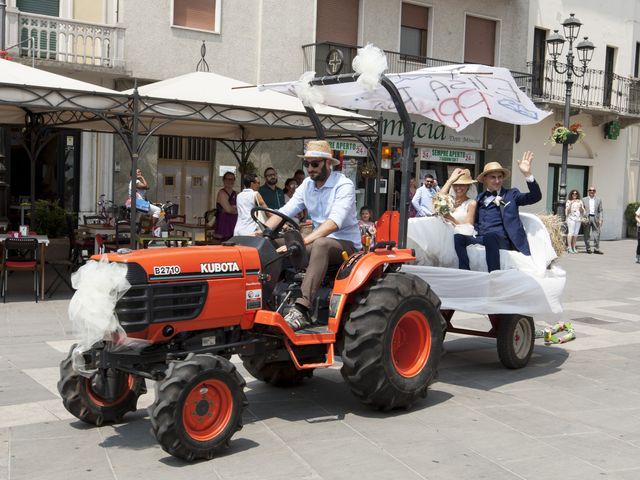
195, 307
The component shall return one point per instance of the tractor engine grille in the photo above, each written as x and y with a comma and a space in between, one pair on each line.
143, 305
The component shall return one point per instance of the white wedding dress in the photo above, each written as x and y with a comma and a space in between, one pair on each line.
525, 284
432, 237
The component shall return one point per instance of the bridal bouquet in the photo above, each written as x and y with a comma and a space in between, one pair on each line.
442, 204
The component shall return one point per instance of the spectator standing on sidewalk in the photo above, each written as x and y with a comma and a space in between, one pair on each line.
271, 193
593, 210
638, 235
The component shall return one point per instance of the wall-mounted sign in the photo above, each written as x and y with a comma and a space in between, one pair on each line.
429, 132
447, 156
348, 149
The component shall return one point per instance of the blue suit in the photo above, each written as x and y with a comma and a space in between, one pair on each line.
498, 227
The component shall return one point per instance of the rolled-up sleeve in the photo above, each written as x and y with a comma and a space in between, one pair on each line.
343, 204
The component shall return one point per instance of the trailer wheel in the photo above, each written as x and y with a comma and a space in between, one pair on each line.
278, 374
82, 396
393, 341
198, 406
516, 336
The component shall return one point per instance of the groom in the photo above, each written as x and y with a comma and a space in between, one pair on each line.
497, 217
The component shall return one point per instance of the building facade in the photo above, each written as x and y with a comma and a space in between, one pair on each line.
116, 43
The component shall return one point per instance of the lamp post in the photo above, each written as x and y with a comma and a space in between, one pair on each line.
585, 48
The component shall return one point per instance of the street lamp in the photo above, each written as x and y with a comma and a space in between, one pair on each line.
585, 48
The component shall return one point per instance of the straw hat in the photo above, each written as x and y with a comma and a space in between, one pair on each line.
465, 178
492, 167
319, 149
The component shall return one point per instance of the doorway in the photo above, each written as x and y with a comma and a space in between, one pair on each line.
577, 177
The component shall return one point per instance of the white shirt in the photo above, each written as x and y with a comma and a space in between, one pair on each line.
245, 201
592, 205
335, 200
423, 201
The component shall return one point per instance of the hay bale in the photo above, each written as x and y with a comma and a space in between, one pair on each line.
553, 224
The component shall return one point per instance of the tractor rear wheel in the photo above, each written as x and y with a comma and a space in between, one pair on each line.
515, 340
278, 374
83, 396
198, 406
393, 342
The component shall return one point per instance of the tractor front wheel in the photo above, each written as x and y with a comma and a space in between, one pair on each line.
198, 406
84, 398
393, 342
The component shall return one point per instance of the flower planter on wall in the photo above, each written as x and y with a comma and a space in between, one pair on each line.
571, 138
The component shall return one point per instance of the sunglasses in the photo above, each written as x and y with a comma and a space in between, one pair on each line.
314, 164
590, 190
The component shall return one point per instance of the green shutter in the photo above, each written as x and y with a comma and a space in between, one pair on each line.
42, 7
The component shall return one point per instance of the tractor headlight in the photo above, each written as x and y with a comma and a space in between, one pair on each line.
334, 304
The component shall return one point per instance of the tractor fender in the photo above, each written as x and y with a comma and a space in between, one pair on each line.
357, 271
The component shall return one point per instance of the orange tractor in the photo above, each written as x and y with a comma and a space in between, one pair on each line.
195, 307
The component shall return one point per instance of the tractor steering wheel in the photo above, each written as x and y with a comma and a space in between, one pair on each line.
275, 232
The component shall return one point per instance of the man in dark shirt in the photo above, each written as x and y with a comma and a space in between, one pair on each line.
273, 195
497, 216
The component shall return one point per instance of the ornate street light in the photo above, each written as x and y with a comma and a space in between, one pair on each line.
555, 44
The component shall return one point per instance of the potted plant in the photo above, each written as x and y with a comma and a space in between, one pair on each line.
630, 217
49, 219
564, 135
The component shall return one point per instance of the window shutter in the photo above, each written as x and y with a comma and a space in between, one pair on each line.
42, 7
195, 14
415, 16
337, 21
479, 41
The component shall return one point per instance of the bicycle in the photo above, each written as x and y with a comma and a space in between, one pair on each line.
107, 211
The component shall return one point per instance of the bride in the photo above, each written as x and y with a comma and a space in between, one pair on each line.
432, 237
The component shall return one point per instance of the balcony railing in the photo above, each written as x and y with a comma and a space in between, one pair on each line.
596, 90
64, 40
333, 58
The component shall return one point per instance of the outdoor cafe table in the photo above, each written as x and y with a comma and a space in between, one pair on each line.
100, 229
178, 240
195, 231
43, 241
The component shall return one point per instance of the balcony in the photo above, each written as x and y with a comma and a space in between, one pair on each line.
41, 37
333, 58
596, 92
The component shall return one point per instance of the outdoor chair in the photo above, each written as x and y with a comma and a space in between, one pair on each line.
210, 235
29, 263
78, 244
105, 247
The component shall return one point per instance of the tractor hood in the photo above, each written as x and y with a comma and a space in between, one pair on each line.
197, 263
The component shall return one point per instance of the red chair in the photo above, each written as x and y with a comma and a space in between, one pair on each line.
27, 261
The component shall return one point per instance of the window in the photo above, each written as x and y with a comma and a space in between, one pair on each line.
480, 40
609, 62
337, 22
413, 30
186, 148
539, 46
196, 181
636, 68
197, 14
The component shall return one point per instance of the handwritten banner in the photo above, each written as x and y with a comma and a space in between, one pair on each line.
454, 95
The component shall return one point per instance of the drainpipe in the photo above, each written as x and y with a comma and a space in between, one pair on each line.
4, 185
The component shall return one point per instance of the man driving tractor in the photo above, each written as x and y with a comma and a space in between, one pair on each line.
330, 200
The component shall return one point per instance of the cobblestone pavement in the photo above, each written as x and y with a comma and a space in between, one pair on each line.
572, 413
